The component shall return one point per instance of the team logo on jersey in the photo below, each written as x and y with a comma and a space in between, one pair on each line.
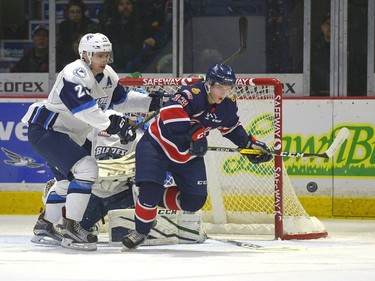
212, 117
232, 98
79, 72
195, 91
102, 102
107, 152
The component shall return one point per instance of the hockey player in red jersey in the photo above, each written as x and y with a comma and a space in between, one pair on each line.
176, 142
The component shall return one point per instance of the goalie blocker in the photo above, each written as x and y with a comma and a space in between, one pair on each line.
173, 227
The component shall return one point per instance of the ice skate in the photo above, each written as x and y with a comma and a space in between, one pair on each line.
46, 232
133, 240
75, 237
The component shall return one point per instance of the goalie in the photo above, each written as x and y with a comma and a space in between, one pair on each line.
112, 195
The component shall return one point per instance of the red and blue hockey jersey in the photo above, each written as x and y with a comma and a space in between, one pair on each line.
190, 104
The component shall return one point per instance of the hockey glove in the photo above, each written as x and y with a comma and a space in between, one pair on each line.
198, 140
127, 134
116, 123
157, 100
120, 126
258, 145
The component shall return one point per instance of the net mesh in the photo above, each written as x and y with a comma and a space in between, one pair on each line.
241, 194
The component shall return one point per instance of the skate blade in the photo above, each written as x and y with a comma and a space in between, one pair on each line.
125, 249
45, 240
69, 244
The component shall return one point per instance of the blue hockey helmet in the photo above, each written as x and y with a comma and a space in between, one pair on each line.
220, 74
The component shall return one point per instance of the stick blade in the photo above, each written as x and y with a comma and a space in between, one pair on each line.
242, 23
340, 138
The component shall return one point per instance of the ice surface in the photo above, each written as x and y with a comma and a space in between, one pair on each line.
347, 254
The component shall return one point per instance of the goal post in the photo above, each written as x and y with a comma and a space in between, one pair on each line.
245, 198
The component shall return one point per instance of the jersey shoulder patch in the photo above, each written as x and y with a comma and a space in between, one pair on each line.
232, 97
195, 91
80, 72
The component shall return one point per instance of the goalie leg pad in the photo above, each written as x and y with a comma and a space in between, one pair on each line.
173, 227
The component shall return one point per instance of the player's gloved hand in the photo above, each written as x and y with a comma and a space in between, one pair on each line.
198, 140
258, 145
157, 100
117, 122
120, 125
127, 134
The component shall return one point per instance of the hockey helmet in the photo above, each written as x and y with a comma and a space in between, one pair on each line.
220, 74
94, 43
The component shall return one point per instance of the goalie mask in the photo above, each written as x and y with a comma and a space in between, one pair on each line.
95, 43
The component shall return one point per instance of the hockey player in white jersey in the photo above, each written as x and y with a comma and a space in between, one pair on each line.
112, 195
58, 128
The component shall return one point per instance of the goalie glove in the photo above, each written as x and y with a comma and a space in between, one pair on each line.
198, 140
258, 145
120, 126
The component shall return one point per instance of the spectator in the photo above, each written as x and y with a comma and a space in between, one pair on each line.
70, 32
165, 64
36, 60
157, 17
320, 60
107, 11
126, 32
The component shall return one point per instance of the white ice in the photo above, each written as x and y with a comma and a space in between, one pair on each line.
347, 254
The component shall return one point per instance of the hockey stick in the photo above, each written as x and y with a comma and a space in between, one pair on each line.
340, 138
251, 246
151, 116
242, 22
144, 121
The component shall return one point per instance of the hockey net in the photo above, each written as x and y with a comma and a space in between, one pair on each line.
245, 198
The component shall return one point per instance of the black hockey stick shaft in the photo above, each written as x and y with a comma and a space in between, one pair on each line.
337, 142
144, 121
249, 151
242, 22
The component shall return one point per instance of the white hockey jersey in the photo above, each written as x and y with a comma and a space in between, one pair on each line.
79, 98
105, 147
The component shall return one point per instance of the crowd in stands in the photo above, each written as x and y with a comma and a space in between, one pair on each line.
138, 29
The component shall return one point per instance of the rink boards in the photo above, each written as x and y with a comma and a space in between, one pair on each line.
342, 186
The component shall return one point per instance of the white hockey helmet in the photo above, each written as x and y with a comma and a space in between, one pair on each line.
94, 43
